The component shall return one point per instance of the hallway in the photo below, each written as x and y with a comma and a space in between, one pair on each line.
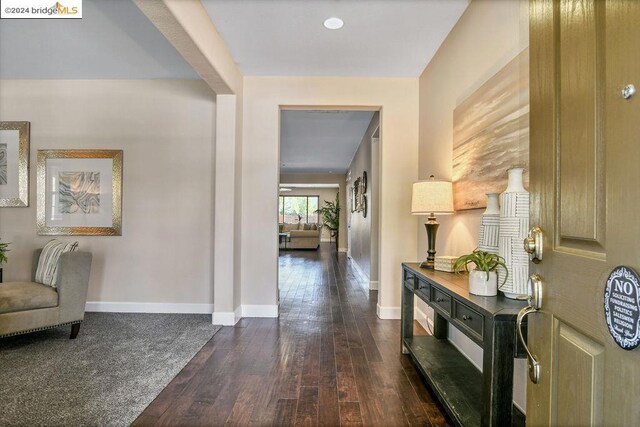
328, 360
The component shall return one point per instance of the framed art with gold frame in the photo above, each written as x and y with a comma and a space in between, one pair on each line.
79, 192
14, 164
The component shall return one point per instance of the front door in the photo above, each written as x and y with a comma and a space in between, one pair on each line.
585, 195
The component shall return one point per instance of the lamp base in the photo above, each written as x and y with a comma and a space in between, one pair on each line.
427, 265
432, 229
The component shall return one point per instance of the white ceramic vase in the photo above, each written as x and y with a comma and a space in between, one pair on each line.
480, 285
514, 226
490, 225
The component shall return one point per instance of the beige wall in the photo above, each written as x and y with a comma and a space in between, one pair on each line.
263, 98
188, 28
313, 178
166, 129
361, 227
323, 194
488, 35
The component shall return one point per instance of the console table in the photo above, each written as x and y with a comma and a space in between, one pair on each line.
470, 397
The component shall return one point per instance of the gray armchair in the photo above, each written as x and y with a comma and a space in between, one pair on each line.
30, 306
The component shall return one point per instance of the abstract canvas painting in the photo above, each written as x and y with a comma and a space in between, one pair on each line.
79, 192
3, 164
491, 135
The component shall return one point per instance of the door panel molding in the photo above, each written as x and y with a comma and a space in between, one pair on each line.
581, 161
579, 378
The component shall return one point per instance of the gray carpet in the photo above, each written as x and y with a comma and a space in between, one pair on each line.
107, 376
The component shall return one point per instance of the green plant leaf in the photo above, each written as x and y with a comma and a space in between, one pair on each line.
484, 261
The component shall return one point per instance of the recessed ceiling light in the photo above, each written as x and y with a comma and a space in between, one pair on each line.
333, 23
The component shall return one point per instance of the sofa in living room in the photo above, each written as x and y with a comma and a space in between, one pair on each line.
302, 236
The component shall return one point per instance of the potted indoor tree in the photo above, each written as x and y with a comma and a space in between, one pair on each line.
483, 280
331, 217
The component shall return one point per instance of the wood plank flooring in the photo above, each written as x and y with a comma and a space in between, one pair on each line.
328, 361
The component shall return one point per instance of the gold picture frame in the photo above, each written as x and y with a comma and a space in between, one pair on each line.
79, 192
14, 164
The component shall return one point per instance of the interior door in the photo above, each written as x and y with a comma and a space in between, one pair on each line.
585, 195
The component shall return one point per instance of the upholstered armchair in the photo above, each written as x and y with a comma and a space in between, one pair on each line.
30, 306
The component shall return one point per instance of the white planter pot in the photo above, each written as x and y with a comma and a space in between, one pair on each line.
479, 285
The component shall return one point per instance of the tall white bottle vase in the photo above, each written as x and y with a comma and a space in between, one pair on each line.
490, 225
514, 226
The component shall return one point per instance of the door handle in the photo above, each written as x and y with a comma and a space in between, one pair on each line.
534, 244
535, 304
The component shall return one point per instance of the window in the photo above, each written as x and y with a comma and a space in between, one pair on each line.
294, 209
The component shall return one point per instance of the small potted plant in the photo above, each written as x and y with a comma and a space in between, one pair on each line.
483, 280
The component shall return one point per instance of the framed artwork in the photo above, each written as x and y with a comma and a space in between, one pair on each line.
355, 205
491, 135
359, 195
79, 192
14, 164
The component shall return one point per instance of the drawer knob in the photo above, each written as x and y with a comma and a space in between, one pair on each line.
465, 317
439, 299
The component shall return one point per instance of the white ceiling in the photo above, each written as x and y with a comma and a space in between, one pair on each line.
321, 141
385, 38
113, 40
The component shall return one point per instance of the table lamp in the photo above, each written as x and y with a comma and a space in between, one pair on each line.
431, 197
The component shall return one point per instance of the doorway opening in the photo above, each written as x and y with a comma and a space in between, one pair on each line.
329, 158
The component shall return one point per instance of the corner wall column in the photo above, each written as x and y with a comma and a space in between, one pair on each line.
226, 214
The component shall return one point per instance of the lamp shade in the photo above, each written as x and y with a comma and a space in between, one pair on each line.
432, 196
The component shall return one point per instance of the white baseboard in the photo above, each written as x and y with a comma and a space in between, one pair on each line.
220, 318
147, 307
388, 312
227, 318
342, 250
325, 240
259, 311
359, 270
423, 319
373, 285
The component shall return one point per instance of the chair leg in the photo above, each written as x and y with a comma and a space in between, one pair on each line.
75, 328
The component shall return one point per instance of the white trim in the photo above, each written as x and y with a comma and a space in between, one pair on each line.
325, 240
147, 307
373, 285
360, 271
425, 321
387, 312
313, 185
259, 311
342, 250
227, 318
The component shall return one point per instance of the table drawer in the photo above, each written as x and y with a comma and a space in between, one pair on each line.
441, 300
468, 318
409, 280
408, 276
424, 289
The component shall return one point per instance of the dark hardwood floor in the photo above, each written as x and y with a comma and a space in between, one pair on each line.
328, 360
